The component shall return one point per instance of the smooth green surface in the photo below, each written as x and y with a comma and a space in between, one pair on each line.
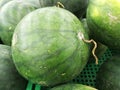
45, 44
108, 75
73, 87
9, 77
103, 18
10, 15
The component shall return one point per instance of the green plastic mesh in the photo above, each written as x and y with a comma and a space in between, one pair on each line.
87, 76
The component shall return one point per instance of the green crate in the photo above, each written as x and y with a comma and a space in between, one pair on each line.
87, 76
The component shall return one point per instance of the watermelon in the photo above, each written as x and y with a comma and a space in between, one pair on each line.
108, 76
10, 79
46, 49
73, 87
10, 15
78, 7
103, 19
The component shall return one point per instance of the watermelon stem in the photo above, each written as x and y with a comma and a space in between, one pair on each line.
59, 4
81, 37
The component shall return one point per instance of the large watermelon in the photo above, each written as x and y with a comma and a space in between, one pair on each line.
77, 7
103, 18
46, 48
9, 77
10, 14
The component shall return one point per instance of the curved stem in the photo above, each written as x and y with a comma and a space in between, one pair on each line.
93, 50
81, 37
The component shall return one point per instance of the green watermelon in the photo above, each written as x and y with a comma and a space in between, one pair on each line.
103, 19
9, 77
10, 15
46, 49
108, 76
77, 7
73, 87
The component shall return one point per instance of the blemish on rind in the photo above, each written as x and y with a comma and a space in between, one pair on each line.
63, 74
48, 51
80, 36
43, 83
14, 41
10, 28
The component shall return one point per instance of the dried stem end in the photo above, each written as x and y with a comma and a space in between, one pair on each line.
59, 4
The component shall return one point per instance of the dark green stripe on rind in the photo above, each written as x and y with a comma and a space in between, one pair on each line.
46, 48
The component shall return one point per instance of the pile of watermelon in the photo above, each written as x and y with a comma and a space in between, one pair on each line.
49, 43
